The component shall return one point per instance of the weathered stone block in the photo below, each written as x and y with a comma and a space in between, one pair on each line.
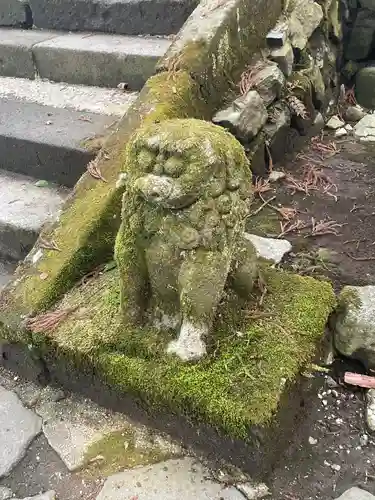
364, 131
277, 37
269, 83
362, 35
245, 117
277, 131
354, 113
365, 87
354, 324
304, 19
284, 58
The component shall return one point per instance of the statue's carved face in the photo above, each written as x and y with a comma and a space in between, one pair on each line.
175, 163
177, 170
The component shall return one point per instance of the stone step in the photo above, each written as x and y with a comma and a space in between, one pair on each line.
129, 17
52, 131
97, 59
6, 272
24, 208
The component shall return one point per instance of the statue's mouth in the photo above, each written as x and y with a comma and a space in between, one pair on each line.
163, 191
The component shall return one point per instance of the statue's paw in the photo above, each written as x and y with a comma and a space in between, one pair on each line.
187, 353
189, 346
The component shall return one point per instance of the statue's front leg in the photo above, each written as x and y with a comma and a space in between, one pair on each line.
201, 283
134, 287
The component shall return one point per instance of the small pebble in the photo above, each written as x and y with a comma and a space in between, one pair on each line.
363, 440
276, 175
336, 467
335, 123
341, 132
332, 383
312, 440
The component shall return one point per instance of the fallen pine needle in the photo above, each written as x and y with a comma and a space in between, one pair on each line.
360, 259
48, 322
359, 380
48, 245
265, 203
262, 186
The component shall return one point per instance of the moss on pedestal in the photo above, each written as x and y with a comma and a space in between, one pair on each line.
254, 353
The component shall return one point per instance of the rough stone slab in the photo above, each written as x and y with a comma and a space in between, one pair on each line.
46, 142
305, 17
113, 102
269, 248
356, 494
15, 13
364, 131
99, 59
245, 117
128, 17
24, 208
175, 479
71, 425
18, 427
16, 58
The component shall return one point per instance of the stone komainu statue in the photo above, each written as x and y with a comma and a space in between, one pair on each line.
188, 190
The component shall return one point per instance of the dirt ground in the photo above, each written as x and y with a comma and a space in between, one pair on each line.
325, 206
333, 182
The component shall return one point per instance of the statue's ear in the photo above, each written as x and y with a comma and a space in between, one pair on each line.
238, 179
234, 177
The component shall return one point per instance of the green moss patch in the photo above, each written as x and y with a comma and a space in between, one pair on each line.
253, 355
220, 40
124, 449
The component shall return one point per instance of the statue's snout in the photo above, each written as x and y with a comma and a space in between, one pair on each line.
157, 189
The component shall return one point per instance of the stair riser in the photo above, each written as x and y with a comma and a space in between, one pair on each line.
16, 243
43, 161
90, 68
128, 17
84, 58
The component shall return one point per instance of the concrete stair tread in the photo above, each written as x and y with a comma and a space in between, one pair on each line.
104, 101
103, 60
24, 208
26, 205
47, 142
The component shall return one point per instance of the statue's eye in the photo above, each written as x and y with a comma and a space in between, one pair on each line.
174, 166
146, 159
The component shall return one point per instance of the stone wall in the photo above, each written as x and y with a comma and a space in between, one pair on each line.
289, 89
359, 42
